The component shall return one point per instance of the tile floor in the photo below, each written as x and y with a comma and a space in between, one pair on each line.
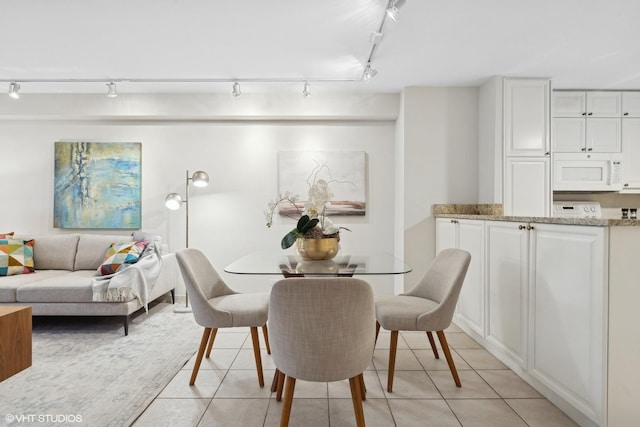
226, 392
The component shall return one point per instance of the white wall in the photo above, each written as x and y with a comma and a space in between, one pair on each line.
235, 142
440, 164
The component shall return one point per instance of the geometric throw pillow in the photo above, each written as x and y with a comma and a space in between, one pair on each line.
120, 256
6, 235
16, 257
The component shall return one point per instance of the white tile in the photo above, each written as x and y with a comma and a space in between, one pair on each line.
246, 360
405, 360
479, 358
418, 412
342, 390
173, 412
376, 413
220, 358
410, 385
430, 363
234, 413
540, 413
473, 386
485, 413
207, 382
507, 384
243, 384
304, 413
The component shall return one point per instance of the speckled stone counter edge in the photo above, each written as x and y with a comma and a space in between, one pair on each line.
494, 213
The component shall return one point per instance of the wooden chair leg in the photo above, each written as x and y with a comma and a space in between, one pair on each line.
447, 355
363, 388
280, 386
288, 400
392, 359
274, 382
265, 334
433, 344
356, 397
214, 332
256, 353
203, 346
377, 332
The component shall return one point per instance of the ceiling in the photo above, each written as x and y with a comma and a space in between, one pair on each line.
589, 44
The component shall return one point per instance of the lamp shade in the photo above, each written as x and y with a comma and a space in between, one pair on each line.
173, 201
200, 179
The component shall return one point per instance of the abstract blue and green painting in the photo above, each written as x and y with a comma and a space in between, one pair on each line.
97, 185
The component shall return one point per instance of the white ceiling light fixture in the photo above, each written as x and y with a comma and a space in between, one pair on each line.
14, 90
236, 90
369, 73
112, 90
393, 9
306, 91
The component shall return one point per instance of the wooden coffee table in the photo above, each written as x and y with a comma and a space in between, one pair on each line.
15, 340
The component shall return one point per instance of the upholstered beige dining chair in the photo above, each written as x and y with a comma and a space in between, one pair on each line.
215, 306
322, 330
428, 307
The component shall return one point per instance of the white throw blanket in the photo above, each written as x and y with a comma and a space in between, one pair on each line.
135, 281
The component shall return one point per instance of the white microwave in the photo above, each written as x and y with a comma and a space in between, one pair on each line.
587, 172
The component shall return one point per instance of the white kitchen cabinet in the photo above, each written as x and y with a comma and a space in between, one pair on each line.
527, 186
604, 104
467, 235
526, 117
569, 104
568, 312
507, 255
573, 135
631, 154
630, 104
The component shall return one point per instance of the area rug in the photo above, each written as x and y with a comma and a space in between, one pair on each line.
85, 371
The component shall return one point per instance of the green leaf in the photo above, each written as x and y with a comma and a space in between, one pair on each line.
289, 239
309, 225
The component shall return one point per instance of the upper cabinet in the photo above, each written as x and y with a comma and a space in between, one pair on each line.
586, 122
630, 104
526, 117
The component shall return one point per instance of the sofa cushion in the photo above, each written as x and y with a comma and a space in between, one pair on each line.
55, 251
120, 256
9, 284
16, 257
74, 286
93, 247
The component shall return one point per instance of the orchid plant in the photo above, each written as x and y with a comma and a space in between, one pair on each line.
312, 220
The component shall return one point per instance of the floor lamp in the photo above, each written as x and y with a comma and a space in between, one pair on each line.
173, 201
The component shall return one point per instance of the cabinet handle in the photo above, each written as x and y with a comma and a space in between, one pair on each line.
583, 149
626, 184
547, 153
521, 227
454, 221
530, 227
626, 114
590, 149
584, 114
590, 114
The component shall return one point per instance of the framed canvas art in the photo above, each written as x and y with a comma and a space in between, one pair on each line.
97, 185
344, 171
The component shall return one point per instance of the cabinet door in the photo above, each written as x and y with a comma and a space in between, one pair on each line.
526, 117
604, 135
631, 154
630, 104
446, 234
470, 309
568, 300
569, 135
604, 104
527, 188
569, 104
507, 287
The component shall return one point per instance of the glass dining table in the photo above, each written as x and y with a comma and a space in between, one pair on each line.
268, 262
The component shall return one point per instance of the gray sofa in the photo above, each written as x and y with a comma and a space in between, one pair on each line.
65, 266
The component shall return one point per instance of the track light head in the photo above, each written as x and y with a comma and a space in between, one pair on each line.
306, 91
112, 90
14, 90
393, 8
236, 90
369, 73
376, 37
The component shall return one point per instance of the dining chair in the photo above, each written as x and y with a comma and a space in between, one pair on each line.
428, 307
215, 305
322, 330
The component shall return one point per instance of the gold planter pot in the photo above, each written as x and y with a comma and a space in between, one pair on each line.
317, 249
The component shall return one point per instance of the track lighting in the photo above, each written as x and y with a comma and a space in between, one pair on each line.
369, 73
306, 91
14, 90
392, 9
376, 37
113, 90
236, 90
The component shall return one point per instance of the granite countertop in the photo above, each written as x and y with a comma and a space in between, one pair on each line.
494, 213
